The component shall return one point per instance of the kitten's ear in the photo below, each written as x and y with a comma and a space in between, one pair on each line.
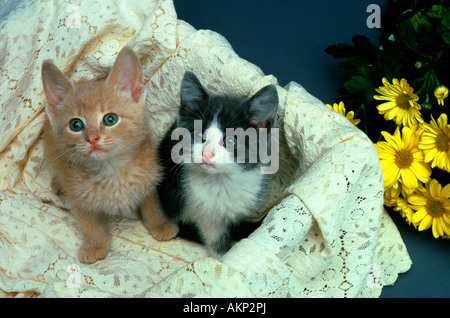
192, 94
263, 106
56, 86
126, 74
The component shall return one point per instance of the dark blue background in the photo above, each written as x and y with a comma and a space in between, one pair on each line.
287, 39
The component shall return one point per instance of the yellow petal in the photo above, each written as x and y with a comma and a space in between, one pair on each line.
415, 199
420, 171
385, 81
437, 228
388, 155
435, 189
425, 223
427, 143
391, 173
445, 193
409, 179
442, 120
397, 133
430, 155
417, 155
446, 219
391, 114
386, 106
406, 134
397, 143
419, 215
385, 95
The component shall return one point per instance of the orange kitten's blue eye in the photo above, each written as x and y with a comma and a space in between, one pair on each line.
76, 124
110, 119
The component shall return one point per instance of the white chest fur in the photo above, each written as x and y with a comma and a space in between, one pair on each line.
220, 198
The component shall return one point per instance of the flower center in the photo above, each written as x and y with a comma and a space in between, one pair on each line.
403, 101
442, 142
434, 208
404, 159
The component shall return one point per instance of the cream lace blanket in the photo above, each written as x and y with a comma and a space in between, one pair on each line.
324, 236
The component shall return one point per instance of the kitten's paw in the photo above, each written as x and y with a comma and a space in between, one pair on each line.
89, 254
164, 232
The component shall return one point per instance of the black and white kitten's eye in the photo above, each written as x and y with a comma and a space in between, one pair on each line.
76, 124
110, 119
230, 141
199, 135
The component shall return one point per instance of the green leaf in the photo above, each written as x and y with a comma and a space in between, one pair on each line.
420, 19
340, 51
356, 55
435, 12
446, 18
359, 84
446, 37
361, 40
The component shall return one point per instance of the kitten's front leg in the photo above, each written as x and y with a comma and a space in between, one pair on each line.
216, 237
155, 221
96, 237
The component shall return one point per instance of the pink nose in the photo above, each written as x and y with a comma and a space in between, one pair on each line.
93, 139
208, 153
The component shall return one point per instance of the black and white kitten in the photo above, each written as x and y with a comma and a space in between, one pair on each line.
216, 181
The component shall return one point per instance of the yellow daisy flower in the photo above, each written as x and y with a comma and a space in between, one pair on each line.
401, 160
433, 208
435, 142
395, 191
441, 93
341, 110
401, 103
401, 205
398, 202
391, 194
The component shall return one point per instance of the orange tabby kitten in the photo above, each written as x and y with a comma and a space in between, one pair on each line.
97, 142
